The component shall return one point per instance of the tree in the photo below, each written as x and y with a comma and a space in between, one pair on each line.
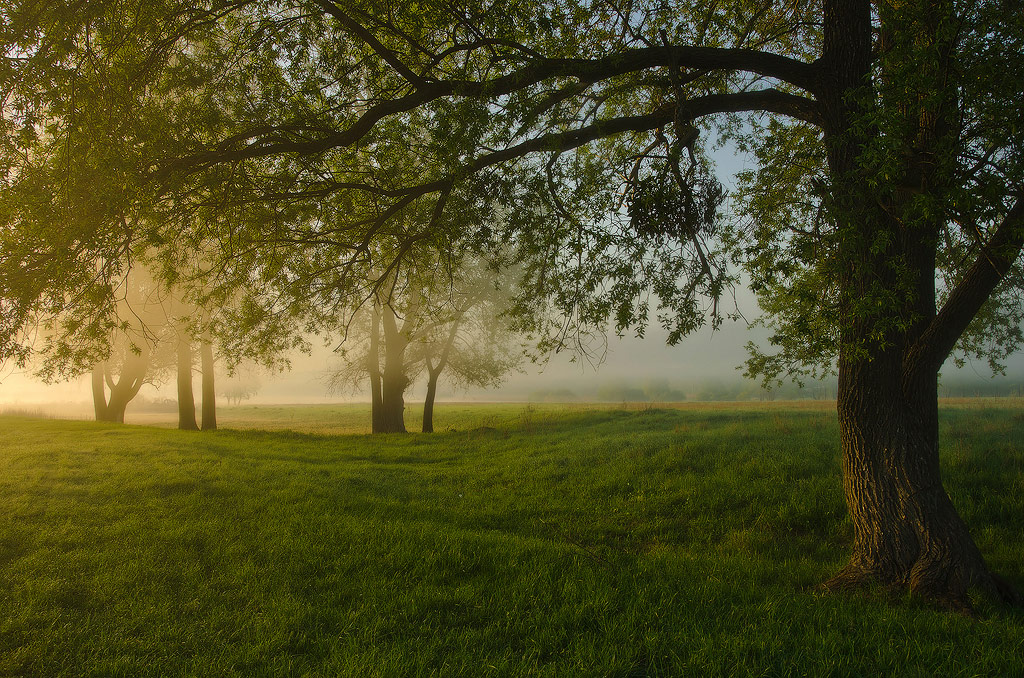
135, 352
124, 377
83, 109
658, 389
394, 322
241, 385
474, 344
434, 321
891, 126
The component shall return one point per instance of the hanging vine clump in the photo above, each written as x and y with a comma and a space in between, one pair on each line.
660, 206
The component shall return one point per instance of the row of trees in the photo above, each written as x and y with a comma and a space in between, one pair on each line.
388, 342
291, 160
154, 334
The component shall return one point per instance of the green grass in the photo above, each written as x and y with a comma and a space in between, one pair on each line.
547, 540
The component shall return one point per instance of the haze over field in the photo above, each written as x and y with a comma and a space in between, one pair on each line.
701, 358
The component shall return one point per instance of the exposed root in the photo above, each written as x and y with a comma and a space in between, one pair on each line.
948, 593
849, 578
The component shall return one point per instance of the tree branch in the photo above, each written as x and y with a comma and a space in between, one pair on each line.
767, 100
967, 298
587, 71
366, 36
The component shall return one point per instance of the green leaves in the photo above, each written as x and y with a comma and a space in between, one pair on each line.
304, 152
659, 207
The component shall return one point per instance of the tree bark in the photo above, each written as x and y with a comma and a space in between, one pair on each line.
122, 391
394, 381
393, 402
186, 401
906, 530
116, 408
209, 388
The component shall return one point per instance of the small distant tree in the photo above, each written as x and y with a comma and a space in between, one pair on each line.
619, 391
376, 347
119, 335
438, 318
658, 389
475, 347
241, 385
123, 373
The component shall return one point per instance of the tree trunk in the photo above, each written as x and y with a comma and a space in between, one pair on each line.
122, 391
434, 371
373, 367
428, 402
376, 404
186, 401
393, 403
99, 396
394, 381
906, 531
209, 389
116, 407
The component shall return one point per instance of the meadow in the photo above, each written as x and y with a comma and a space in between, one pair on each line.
540, 540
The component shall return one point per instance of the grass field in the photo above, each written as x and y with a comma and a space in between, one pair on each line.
519, 540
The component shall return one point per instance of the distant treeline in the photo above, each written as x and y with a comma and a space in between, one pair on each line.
661, 390
990, 388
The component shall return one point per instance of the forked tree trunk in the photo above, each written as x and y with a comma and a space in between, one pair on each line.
906, 531
186, 401
209, 388
130, 380
121, 393
434, 371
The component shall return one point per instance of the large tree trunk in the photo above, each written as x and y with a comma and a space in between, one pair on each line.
906, 531
186, 401
209, 389
116, 407
393, 402
99, 396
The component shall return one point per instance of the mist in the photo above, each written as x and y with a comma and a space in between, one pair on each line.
705, 358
